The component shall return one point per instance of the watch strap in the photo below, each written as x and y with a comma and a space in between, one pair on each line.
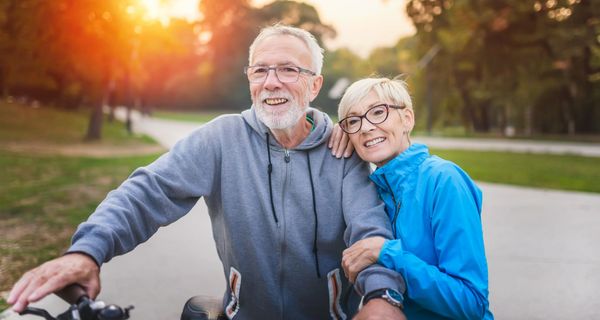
384, 294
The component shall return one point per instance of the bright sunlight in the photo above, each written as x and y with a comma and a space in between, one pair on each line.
164, 10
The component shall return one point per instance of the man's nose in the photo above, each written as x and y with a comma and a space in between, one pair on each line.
271, 81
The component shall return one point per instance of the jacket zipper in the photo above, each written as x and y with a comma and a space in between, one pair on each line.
397, 204
283, 230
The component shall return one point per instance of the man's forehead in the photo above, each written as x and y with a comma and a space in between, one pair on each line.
281, 50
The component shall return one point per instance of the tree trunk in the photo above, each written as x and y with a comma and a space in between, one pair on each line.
94, 131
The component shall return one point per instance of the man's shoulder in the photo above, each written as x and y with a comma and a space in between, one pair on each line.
223, 125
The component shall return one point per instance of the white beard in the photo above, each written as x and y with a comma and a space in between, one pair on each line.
283, 119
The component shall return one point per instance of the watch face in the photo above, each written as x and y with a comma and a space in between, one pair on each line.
394, 296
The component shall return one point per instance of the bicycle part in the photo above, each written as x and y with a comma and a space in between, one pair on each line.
203, 308
37, 312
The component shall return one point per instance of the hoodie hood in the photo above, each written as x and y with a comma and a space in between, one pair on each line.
318, 136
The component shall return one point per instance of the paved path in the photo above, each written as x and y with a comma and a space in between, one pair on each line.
543, 251
526, 146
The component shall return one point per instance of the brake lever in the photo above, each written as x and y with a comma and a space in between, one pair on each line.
37, 312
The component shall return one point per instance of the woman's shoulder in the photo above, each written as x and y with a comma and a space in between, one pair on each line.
440, 170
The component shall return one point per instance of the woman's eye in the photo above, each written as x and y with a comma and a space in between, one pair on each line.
378, 112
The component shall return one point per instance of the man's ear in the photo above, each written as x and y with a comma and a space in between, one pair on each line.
317, 83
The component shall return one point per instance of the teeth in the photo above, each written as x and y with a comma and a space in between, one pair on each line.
275, 101
374, 142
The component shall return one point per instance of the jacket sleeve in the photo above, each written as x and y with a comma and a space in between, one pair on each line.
365, 217
457, 287
153, 196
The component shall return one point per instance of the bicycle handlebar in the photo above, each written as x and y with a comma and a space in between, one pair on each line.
82, 307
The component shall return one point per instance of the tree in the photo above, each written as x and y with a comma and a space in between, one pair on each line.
503, 57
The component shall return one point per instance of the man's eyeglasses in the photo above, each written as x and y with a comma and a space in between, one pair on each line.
375, 115
285, 74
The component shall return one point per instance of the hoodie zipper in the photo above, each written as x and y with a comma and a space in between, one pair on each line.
283, 225
398, 205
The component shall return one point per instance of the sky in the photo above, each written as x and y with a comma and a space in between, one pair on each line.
361, 25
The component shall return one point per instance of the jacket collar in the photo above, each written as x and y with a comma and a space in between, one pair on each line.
399, 168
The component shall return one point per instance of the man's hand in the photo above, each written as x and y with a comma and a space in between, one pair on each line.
360, 255
339, 143
379, 309
53, 276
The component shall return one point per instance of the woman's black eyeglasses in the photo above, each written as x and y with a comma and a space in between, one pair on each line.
375, 115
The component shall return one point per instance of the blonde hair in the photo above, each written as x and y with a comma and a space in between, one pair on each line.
316, 52
393, 91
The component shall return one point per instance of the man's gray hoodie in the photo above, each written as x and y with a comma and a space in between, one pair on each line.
280, 218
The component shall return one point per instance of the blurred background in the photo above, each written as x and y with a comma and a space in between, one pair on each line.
507, 67
503, 70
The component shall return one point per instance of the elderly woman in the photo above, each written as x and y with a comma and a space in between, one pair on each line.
434, 207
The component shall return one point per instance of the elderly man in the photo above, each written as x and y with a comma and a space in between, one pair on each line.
282, 208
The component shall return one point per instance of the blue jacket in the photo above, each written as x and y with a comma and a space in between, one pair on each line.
435, 209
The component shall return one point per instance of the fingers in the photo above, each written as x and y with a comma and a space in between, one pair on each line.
349, 146
45, 288
30, 282
53, 276
339, 143
16, 295
334, 139
352, 265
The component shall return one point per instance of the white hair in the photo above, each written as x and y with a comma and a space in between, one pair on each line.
316, 52
392, 90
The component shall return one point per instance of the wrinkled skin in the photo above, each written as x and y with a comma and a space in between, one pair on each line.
54, 275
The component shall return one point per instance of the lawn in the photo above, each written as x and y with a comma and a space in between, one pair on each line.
44, 196
199, 117
566, 172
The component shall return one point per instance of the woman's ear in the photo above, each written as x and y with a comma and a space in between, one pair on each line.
409, 118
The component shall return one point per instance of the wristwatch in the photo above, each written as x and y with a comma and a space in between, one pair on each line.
392, 296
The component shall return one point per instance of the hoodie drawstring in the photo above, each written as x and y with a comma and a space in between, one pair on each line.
269, 170
312, 189
314, 201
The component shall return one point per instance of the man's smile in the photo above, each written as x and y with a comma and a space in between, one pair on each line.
275, 101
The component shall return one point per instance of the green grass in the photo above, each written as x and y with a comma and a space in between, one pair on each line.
44, 196
23, 124
566, 172
198, 117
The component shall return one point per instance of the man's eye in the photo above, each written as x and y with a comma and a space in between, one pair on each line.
260, 70
288, 69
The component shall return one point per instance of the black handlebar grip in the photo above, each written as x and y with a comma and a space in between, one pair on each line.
72, 293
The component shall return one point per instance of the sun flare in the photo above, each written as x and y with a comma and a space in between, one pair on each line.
165, 10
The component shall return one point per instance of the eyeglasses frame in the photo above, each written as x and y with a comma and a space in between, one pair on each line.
274, 68
364, 116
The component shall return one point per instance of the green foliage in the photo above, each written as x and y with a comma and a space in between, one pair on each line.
515, 63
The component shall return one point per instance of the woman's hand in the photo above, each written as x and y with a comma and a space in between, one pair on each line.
339, 143
360, 255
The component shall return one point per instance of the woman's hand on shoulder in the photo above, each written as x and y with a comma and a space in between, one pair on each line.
339, 143
360, 255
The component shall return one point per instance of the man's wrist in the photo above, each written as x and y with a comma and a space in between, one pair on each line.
391, 296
